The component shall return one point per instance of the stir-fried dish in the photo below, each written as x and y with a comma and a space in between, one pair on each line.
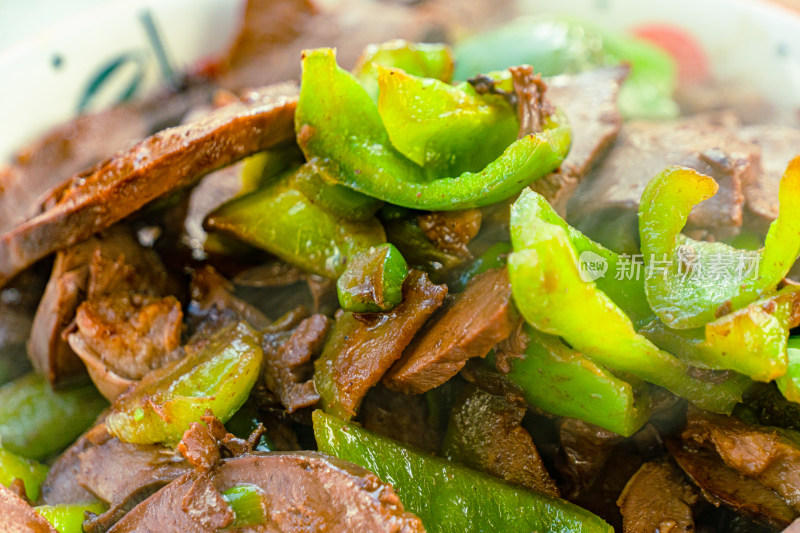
406, 287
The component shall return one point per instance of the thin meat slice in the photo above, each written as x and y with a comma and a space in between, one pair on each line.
288, 367
363, 347
211, 293
480, 317
300, 491
402, 417
164, 162
132, 333
769, 455
485, 432
721, 484
109, 262
779, 145
658, 498
17, 516
589, 100
451, 231
76, 145
61, 484
645, 148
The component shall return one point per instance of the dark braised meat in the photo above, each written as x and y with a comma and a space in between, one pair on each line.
451, 231
361, 349
486, 433
479, 318
405, 418
164, 162
644, 149
17, 516
112, 262
288, 367
658, 498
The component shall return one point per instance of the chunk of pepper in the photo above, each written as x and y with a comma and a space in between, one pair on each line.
449, 497
373, 280
340, 130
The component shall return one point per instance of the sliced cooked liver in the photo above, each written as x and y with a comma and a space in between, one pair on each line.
658, 498
361, 349
486, 433
779, 145
644, 149
769, 455
164, 162
110, 262
16, 516
479, 318
288, 365
302, 491
722, 484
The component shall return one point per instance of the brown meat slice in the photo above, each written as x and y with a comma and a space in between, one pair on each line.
132, 333
363, 347
18, 302
401, 417
80, 143
111, 261
119, 472
779, 145
644, 149
451, 231
657, 498
302, 491
721, 484
164, 162
288, 365
585, 451
61, 484
769, 455
486, 433
480, 317
589, 100
17, 516
211, 293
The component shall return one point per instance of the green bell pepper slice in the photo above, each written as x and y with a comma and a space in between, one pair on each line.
337, 199
37, 422
446, 129
789, 383
704, 280
449, 497
32, 473
751, 341
247, 502
552, 297
615, 275
373, 280
68, 518
493, 257
558, 45
216, 375
563, 382
285, 222
340, 130
429, 60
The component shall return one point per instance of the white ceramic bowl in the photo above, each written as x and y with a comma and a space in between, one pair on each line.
754, 44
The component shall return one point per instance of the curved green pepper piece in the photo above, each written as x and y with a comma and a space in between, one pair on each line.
218, 375
552, 297
32, 473
337, 199
751, 341
449, 497
68, 518
373, 280
563, 382
789, 383
283, 221
694, 282
247, 502
37, 422
340, 130
446, 129
613, 274
419, 59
